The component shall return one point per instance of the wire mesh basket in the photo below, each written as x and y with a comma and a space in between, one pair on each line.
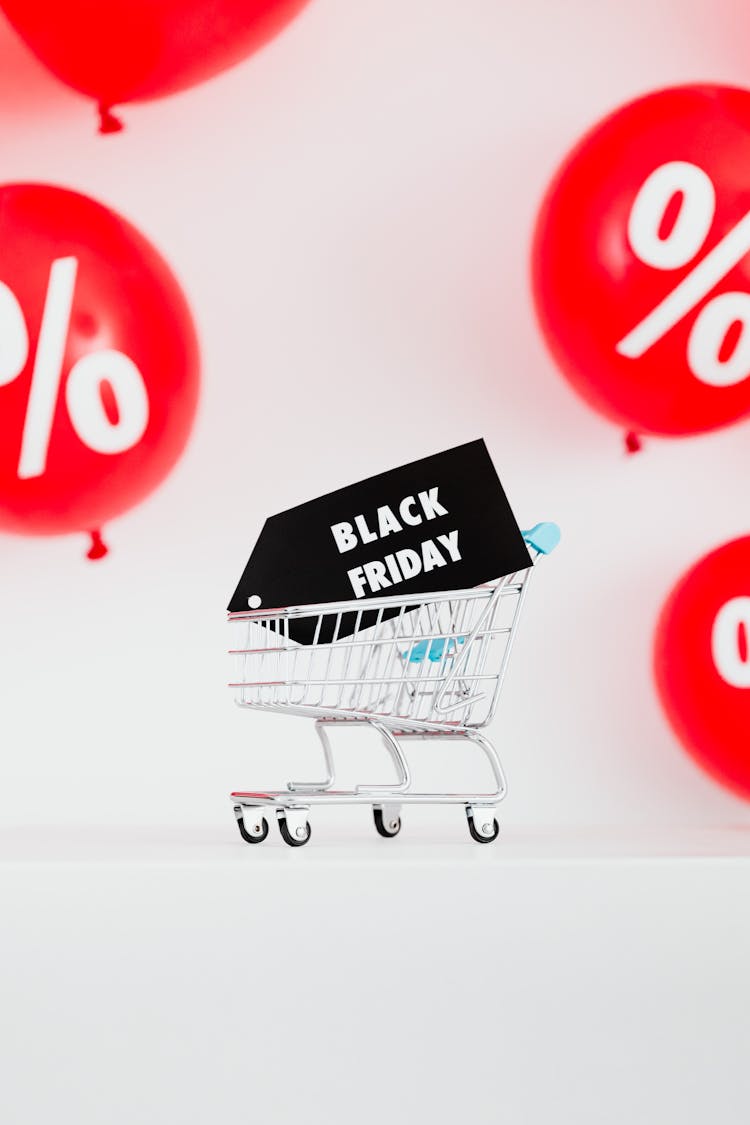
423, 665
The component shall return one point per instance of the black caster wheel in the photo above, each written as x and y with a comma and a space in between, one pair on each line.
388, 828
251, 837
294, 841
476, 827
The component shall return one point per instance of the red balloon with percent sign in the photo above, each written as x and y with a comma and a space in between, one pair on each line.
98, 363
641, 262
702, 663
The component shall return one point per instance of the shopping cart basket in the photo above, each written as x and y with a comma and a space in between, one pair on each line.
427, 666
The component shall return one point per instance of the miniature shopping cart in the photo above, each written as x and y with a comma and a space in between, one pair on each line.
426, 666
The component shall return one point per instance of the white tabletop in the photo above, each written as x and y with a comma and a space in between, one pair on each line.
178, 975
442, 843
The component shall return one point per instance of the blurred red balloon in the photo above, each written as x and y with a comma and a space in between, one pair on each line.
25, 89
640, 262
98, 363
702, 663
119, 51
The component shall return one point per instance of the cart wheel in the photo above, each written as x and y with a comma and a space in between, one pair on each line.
387, 826
483, 830
257, 833
301, 834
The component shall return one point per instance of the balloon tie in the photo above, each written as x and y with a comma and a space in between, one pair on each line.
108, 123
98, 548
633, 443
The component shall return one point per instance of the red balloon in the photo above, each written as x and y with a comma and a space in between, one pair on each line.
98, 363
702, 663
641, 267
118, 51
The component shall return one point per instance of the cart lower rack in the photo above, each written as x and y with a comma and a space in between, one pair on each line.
428, 666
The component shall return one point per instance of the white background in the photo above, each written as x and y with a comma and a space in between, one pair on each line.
350, 214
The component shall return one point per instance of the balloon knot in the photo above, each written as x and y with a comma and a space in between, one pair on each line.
633, 443
108, 123
98, 548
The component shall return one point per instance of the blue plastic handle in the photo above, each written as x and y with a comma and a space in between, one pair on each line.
543, 537
432, 650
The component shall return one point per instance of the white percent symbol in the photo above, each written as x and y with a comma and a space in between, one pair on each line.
730, 642
83, 386
695, 194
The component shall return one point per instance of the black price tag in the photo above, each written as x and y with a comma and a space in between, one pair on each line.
442, 523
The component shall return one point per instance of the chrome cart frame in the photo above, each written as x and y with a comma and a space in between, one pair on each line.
426, 666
